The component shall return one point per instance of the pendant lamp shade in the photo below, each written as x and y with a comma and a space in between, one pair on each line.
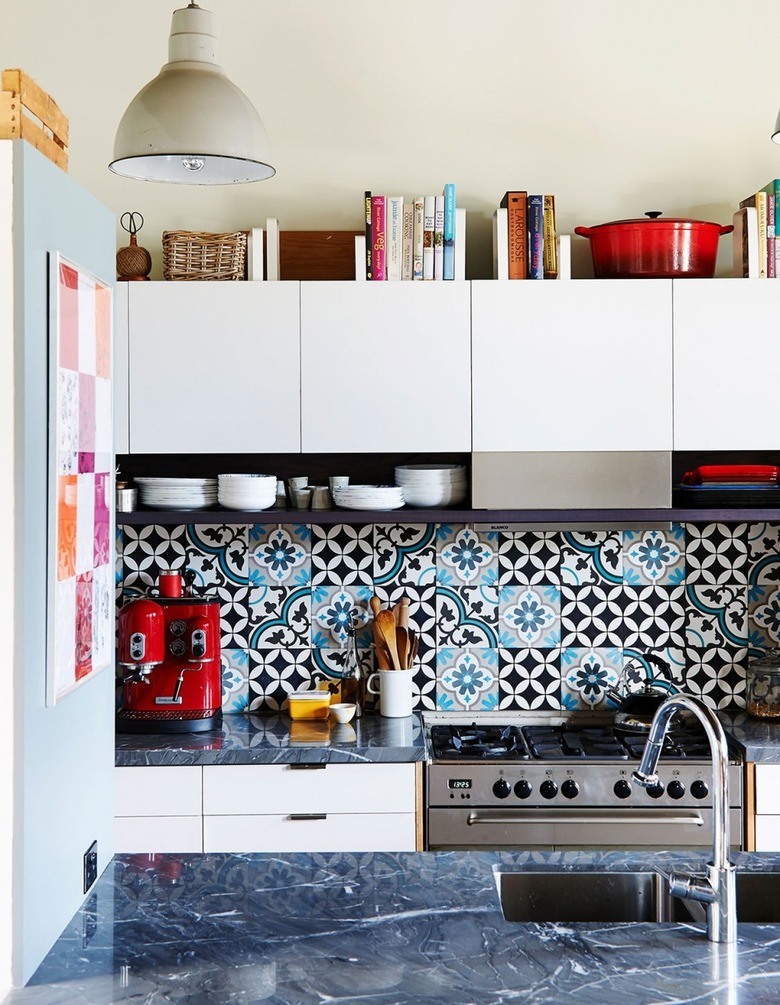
191, 125
776, 130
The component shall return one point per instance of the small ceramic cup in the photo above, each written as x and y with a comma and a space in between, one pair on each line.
338, 482
320, 497
342, 711
301, 498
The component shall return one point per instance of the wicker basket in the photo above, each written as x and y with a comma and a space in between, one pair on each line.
193, 255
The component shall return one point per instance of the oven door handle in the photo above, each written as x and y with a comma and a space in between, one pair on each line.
564, 816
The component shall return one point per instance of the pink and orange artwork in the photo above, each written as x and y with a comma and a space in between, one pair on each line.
82, 482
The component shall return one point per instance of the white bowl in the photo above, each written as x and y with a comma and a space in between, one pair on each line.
342, 711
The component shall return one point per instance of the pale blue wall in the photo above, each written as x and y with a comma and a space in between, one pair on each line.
64, 755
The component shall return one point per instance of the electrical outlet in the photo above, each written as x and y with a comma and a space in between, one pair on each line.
90, 866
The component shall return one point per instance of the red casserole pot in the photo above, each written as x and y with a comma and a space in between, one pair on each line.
653, 248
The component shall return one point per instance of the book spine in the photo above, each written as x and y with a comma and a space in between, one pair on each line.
535, 237
460, 244
449, 231
272, 263
369, 238
407, 239
417, 237
550, 242
515, 204
379, 250
429, 215
745, 243
500, 244
438, 238
395, 222
761, 201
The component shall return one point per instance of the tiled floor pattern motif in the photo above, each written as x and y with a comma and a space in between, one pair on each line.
531, 620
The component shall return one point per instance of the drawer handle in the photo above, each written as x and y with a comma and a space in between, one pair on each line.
308, 816
308, 767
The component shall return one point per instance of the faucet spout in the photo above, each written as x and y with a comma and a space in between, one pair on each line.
718, 889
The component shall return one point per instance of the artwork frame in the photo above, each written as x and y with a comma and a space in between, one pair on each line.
81, 485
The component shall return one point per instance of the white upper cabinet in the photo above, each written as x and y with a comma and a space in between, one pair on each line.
214, 367
726, 364
385, 367
572, 366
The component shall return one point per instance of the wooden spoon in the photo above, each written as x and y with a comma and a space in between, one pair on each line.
380, 647
386, 624
401, 611
414, 645
402, 644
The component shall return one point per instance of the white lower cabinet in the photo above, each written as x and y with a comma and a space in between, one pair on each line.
266, 807
290, 807
767, 807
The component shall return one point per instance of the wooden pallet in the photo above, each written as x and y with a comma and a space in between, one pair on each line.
27, 112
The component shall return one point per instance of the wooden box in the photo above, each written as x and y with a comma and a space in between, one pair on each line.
28, 113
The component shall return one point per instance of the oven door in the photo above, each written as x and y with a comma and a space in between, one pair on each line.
580, 828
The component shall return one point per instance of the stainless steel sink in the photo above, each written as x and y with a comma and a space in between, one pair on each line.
584, 896
590, 896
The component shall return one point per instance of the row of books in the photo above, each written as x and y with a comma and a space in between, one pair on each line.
525, 238
757, 234
419, 239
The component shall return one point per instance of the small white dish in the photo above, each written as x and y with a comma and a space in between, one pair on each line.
342, 711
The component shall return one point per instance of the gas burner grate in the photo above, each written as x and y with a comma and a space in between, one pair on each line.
548, 743
691, 745
483, 743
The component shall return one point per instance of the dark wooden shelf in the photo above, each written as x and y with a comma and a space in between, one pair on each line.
408, 514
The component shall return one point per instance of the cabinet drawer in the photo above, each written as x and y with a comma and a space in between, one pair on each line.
287, 788
158, 834
768, 788
158, 791
330, 832
768, 833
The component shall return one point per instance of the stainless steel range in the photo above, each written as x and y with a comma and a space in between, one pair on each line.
556, 783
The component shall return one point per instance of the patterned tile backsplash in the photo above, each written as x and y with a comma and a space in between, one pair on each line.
527, 620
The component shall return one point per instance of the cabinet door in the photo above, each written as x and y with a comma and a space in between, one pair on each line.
214, 367
726, 362
158, 835
163, 791
572, 366
385, 367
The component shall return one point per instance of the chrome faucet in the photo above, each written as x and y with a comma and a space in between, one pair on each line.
717, 889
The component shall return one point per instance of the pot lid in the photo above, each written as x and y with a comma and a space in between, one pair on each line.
652, 217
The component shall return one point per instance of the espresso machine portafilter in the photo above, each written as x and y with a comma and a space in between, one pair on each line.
169, 651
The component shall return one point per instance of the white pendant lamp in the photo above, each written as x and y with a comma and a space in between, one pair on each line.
191, 125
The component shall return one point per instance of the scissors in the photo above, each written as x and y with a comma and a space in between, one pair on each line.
132, 226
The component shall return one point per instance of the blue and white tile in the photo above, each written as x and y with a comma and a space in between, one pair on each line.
654, 616
529, 616
149, 550
764, 551
404, 555
764, 617
529, 679
274, 674
466, 616
592, 615
235, 680
234, 616
279, 555
279, 616
422, 609
654, 556
588, 675
591, 557
465, 557
424, 680
334, 610
716, 553
717, 675
467, 679
717, 615
638, 670
217, 554
342, 554
531, 557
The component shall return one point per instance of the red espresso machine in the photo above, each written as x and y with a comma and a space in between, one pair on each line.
169, 652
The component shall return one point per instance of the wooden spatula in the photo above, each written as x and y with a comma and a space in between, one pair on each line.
402, 644
385, 622
380, 646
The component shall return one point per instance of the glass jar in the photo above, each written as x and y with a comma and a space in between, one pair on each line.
762, 695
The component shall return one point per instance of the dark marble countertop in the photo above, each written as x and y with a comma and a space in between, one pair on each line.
757, 739
389, 929
276, 739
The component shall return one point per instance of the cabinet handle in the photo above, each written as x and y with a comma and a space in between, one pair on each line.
320, 766
308, 816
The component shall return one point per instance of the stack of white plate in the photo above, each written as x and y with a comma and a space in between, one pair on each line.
432, 485
177, 493
250, 492
378, 497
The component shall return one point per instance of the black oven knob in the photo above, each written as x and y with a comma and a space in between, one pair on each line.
676, 789
699, 789
523, 789
548, 789
501, 788
622, 789
570, 789
656, 791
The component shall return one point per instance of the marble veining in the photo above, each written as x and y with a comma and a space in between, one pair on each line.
385, 929
275, 739
757, 739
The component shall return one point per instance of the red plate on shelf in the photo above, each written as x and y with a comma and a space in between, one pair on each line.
732, 474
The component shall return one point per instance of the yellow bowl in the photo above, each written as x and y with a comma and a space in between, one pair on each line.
308, 705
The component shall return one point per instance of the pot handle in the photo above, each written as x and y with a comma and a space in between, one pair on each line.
583, 231
727, 229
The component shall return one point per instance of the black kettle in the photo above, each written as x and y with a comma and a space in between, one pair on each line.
636, 709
